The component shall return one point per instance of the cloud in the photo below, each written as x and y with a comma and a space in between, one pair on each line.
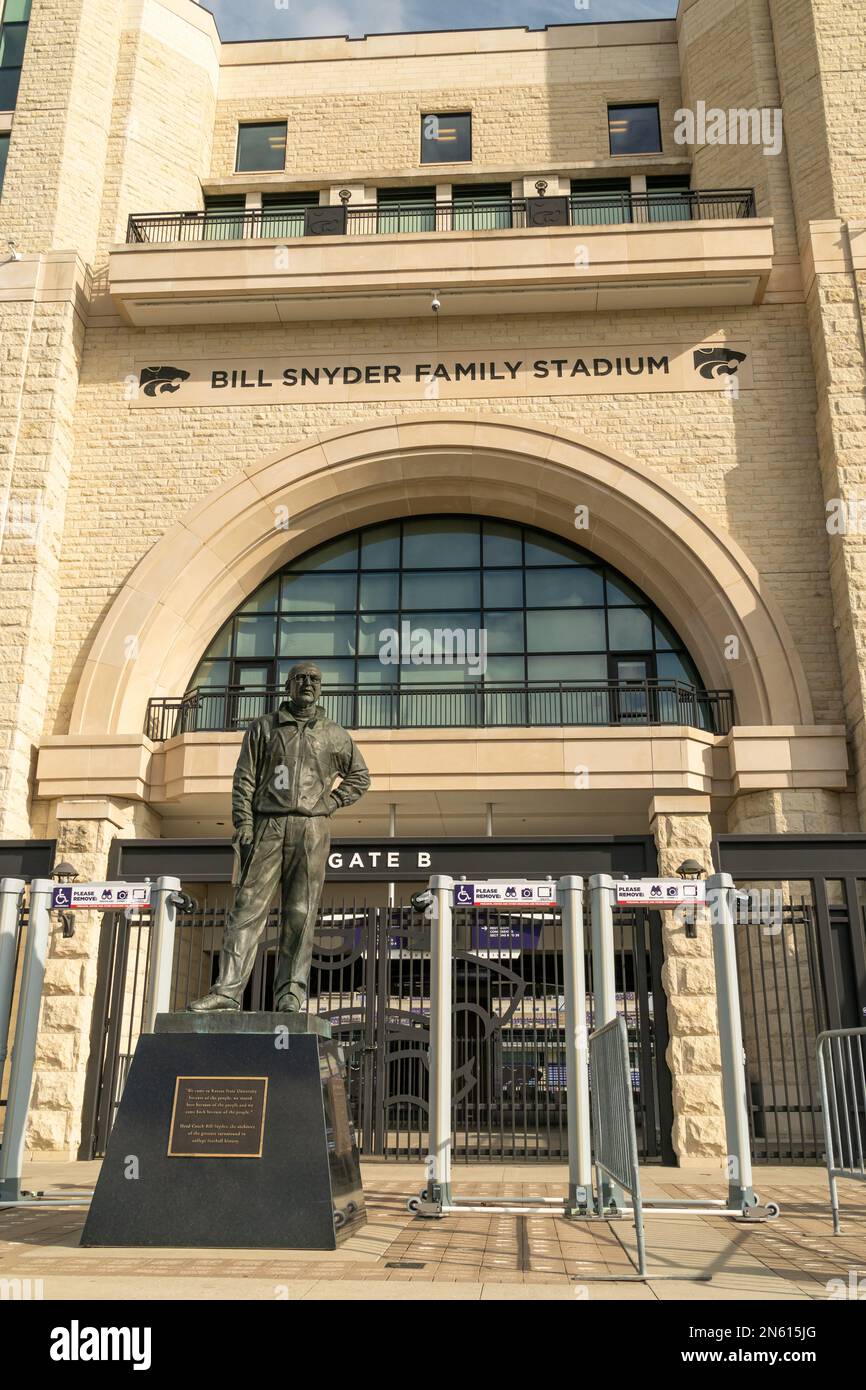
284, 19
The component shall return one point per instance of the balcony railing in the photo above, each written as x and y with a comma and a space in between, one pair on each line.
372, 219
555, 704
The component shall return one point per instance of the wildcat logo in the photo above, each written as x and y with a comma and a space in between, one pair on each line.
161, 379
717, 361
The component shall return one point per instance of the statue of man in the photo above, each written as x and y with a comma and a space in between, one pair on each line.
283, 797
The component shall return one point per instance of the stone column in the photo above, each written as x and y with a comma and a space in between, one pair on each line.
681, 829
84, 831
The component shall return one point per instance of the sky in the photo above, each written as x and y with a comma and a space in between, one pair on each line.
286, 19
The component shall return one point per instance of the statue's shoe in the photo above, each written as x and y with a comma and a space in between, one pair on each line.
287, 1004
213, 1002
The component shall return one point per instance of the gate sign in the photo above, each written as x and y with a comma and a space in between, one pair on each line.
660, 892
503, 894
104, 897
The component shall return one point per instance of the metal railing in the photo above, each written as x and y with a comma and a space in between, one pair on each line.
842, 1072
389, 219
556, 704
614, 1138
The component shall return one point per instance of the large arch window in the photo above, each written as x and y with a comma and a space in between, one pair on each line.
568, 638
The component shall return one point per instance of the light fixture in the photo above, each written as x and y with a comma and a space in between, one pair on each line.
541, 187
65, 872
690, 868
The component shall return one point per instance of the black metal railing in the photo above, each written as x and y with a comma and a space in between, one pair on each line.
481, 706
372, 219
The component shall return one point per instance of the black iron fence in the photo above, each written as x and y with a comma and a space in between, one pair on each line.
370, 978
226, 708
481, 214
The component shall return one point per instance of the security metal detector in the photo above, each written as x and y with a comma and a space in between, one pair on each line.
718, 892
436, 1198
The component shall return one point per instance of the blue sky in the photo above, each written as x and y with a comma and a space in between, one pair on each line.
284, 19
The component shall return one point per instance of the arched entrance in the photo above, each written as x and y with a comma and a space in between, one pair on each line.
205, 566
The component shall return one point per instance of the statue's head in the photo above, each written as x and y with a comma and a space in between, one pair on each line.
304, 686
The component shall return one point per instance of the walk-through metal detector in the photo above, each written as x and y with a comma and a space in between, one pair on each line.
164, 898
437, 1198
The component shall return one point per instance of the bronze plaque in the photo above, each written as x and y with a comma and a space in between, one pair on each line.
218, 1117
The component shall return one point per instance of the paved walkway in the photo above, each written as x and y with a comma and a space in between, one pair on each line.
470, 1256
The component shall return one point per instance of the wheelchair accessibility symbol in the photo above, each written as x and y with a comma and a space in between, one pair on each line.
465, 894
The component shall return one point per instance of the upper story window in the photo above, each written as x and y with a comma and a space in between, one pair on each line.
14, 17
635, 129
446, 138
406, 209
4, 152
261, 147
481, 206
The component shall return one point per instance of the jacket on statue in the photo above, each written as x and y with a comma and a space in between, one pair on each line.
288, 766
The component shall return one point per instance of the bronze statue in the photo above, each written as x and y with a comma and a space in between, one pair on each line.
283, 797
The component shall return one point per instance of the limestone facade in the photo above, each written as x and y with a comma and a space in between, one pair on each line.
129, 535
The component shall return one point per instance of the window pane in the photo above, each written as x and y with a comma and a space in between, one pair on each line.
246, 676
441, 544
261, 147
620, 593
504, 588
9, 80
677, 667
634, 129
458, 630
481, 207
504, 669
551, 631
450, 590
379, 592
265, 598
504, 631
374, 673
547, 550
374, 632
309, 638
406, 209
12, 40
446, 138
599, 202
222, 643
502, 544
666, 638
255, 637
341, 554
210, 674
568, 668
448, 673
380, 548
15, 11
565, 588
325, 593
630, 629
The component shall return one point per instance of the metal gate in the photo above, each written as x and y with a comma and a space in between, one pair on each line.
370, 978
783, 1005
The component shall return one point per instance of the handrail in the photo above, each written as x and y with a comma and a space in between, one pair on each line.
471, 214
549, 704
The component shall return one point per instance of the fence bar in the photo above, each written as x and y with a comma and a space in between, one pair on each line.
24, 1047
11, 893
720, 892
569, 895
438, 1188
163, 919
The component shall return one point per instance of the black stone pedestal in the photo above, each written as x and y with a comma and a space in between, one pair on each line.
233, 1131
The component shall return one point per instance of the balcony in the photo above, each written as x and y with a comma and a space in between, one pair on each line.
556, 705
476, 215
522, 255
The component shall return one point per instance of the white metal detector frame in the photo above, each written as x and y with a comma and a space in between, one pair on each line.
742, 1200
164, 910
437, 1199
